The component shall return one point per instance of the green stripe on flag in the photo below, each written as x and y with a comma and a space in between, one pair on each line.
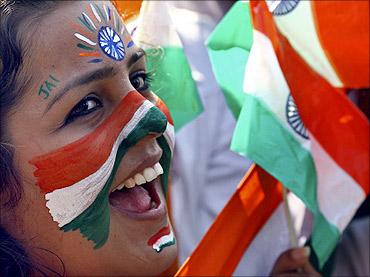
174, 84
228, 49
260, 136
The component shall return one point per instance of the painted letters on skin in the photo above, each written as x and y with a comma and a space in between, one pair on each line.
47, 86
77, 177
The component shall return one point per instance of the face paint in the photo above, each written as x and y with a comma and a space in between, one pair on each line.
106, 37
48, 85
77, 178
162, 239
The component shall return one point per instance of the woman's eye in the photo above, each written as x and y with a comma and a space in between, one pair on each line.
140, 80
86, 106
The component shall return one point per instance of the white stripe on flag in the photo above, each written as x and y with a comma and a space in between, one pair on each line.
155, 27
67, 203
299, 27
338, 194
272, 239
264, 80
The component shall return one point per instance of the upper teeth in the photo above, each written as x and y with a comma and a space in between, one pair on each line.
148, 174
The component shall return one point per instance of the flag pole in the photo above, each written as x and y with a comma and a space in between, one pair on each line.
288, 215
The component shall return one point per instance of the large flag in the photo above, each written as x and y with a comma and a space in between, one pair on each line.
297, 122
172, 79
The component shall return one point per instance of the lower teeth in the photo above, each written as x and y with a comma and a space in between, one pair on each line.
153, 205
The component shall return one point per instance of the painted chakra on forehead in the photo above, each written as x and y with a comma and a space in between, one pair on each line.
107, 39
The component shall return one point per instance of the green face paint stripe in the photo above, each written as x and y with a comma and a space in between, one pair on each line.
86, 24
165, 162
118, 24
94, 221
100, 13
172, 242
80, 45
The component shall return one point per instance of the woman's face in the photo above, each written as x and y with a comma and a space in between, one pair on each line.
82, 129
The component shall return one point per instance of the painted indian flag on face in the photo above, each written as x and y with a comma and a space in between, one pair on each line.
77, 177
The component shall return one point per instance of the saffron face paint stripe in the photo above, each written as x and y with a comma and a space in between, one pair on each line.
162, 232
96, 217
68, 203
70, 158
162, 239
83, 204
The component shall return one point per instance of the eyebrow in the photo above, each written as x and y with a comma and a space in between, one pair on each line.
135, 57
85, 79
92, 76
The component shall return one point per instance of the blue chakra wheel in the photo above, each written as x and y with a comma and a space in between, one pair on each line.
282, 7
111, 43
294, 119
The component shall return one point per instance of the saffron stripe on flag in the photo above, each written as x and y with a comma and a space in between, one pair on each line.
250, 207
345, 38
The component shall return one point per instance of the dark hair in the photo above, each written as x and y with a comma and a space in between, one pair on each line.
14, 14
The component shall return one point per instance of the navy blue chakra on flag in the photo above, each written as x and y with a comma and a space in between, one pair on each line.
281, 7
111, 43
294, 119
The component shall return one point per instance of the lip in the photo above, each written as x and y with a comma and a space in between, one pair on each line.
152, 214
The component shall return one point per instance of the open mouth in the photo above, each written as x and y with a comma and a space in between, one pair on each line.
138, 196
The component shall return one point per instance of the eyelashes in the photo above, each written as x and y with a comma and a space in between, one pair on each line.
86, 106
91, 103
141, 80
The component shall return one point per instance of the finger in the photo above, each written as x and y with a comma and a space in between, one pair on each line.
310, 270
291, 260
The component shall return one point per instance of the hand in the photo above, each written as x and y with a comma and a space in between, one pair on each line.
294, 262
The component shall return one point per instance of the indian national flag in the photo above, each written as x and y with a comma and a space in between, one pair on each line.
299, 60
297, 122
76, 178
172, 79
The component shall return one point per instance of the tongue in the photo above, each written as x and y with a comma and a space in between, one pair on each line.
136, 199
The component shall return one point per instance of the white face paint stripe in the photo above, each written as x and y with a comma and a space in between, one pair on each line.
106, 12
67, 203
162, 241
90, 21
85, 39
95, 12
169, 135
114, 21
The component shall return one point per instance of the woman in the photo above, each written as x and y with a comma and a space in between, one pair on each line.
85, 147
